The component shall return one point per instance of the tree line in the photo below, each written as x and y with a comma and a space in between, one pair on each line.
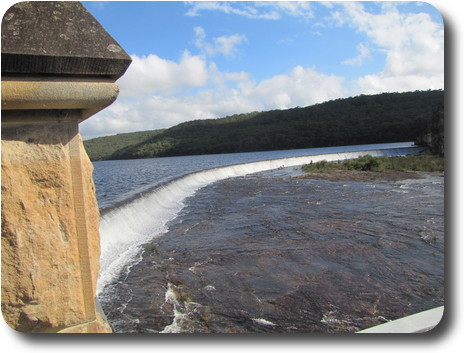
365, 119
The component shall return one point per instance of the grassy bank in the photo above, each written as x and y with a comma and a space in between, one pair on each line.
423, 162
368, 168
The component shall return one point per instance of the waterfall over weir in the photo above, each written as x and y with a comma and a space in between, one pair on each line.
125, 229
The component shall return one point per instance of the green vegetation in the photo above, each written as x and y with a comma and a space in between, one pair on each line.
416, 163
101, 148
154, 248
381, 118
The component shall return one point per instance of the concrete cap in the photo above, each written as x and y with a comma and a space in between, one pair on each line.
58, 38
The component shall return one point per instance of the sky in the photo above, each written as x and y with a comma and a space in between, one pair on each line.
202, 59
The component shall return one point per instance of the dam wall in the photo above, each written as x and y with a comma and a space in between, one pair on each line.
59, 67
125, 229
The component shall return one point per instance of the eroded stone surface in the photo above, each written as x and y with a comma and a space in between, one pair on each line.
58, 37
42, 278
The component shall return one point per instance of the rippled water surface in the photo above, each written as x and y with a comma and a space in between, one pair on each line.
119, 181
271, 253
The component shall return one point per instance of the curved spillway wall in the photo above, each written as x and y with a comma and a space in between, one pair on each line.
125, 229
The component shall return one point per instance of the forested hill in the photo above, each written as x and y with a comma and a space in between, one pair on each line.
387, 117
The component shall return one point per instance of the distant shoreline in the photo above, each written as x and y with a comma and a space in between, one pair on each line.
373, 119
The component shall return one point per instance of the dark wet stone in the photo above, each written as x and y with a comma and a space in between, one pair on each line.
266, 255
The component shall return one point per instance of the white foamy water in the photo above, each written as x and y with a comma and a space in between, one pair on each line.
263, 322
125, 229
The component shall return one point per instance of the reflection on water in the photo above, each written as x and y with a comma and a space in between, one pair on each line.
267, 253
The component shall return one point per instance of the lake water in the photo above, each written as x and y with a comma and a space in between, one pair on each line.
119, 181
193, 244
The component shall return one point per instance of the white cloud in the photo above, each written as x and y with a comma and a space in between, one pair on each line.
301, 87
157, 111
364, 54
222, 94
222, 79
225, 45
269, 10
120, 117
151, 74
242, 9
302, 9
413, 44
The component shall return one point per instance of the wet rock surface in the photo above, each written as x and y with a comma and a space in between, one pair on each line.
267, 254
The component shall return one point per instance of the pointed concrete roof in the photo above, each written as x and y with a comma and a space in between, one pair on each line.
58, 38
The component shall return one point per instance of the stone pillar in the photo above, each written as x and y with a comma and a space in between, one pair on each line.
59, 67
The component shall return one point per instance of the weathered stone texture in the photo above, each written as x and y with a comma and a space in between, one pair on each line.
42, 277
58, 68
61, 38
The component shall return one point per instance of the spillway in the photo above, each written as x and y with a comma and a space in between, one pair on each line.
125, 229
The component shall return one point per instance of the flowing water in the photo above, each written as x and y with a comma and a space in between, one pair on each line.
248, 248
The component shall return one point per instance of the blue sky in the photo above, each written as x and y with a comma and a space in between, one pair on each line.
201, 59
